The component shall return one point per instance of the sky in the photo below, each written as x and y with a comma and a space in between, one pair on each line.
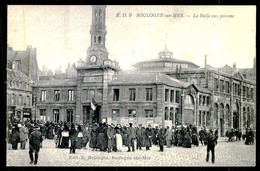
226, 34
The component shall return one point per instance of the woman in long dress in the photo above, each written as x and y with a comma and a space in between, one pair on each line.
119, 141
65, 137
80, 142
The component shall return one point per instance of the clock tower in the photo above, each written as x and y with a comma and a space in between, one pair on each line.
94, 74
97, 51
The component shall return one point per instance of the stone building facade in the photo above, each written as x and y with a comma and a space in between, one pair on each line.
18, 95
164, 91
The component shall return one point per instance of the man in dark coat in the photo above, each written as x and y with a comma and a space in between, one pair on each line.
161, 137
35, 140
73, 138
195, 136
93, 139
139, 137
110, 137
211, 143
148, 136
131, 135
15, 138
203, 136
186, 139
239, 134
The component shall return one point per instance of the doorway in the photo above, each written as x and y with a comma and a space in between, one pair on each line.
90, 116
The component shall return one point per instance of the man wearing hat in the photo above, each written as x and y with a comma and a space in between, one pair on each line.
131, 135
35, 140
110, 137
139, 137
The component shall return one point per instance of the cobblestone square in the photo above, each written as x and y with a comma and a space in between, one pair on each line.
226, 154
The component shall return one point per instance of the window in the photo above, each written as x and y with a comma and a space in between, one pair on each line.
215, 84
99, 94
177, 98
149, 94
252, 93
189, 100
168, 64
115, 94
43, 114
222, 86
99, 39
71, 95
132, 113
244, 91
208, 119
200, 99
204, 115
28, 101
172, 96
208, 100
132, 94
115, 113
69, 115
227, 87
200, 118
238, 89
56, 95
204, 100
166, 95
91, 94
43, 95
56, 115
20, 101
148, 113
13, 99
95, 39
166, 114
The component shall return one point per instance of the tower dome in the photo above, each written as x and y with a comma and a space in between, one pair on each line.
165, 53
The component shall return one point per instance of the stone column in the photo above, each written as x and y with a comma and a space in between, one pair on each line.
231, 103
79, 113
160, 105
104, 108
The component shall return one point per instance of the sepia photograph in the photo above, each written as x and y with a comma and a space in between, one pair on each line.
131, 85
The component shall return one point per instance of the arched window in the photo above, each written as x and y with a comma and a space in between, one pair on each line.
248, 117
244, 117
189, 100
216, 113
222, 111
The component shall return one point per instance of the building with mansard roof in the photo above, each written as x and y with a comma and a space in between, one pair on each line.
18, 94
166, 90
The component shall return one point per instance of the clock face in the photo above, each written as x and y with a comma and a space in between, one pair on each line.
93, 58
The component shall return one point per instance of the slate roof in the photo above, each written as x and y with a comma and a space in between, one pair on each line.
13, 74
146, 78
15, 55
56, 82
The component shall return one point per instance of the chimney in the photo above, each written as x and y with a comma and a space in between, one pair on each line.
254, 62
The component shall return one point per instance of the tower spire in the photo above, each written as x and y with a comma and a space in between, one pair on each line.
97, 50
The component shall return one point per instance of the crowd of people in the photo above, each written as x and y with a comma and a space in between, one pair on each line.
111, 137
233, 135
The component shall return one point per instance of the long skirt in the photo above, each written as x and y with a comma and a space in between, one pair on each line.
119, 142
50, 134
93, 141
195, 139
80, 143
64, 142
102, 141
